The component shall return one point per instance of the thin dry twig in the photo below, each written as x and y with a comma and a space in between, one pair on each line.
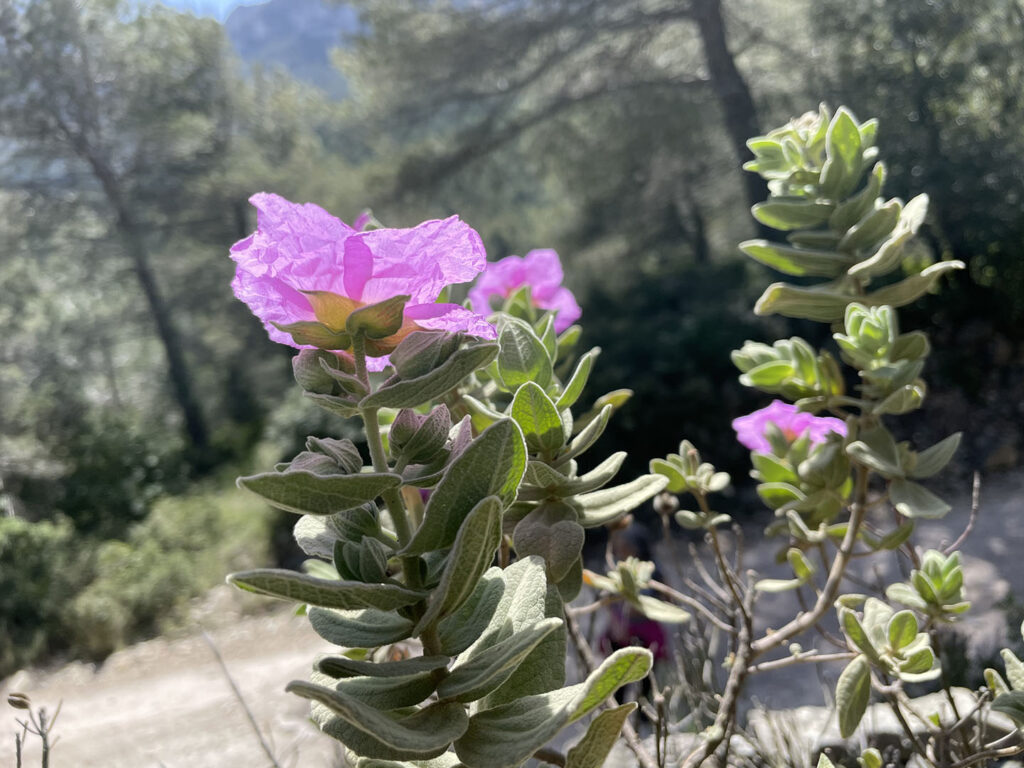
975, 506
241, 701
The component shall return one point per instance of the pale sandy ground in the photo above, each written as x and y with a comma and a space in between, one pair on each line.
165, 703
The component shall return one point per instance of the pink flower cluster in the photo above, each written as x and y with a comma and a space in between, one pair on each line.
750, 429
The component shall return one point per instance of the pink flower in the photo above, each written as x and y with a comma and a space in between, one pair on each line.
542, 271
302, 248
793, 423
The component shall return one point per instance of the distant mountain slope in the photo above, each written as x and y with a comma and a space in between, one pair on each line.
296, 35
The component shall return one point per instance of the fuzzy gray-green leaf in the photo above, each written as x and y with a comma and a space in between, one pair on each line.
344, 595
538, 417
367, 628
490, 667
492, 465
915, 501
605, 506
306, 493
409, 393
592, 750
424, 734
477, 541
578, 381
853, 690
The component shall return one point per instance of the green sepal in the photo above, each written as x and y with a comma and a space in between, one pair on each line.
339, 406
421, 352
378, 321
314, 334
427, 439
344, 452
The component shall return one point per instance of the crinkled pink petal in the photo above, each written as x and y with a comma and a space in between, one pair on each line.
500, 278
542, 269
423, 260
750, 429
564, 304
451, 318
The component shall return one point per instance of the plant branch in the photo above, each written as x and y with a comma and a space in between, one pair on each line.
586, 654
835, 577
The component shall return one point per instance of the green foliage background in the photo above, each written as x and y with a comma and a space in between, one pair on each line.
131, 136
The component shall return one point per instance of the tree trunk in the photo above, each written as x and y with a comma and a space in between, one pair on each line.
177, 368
131, 237
731, 90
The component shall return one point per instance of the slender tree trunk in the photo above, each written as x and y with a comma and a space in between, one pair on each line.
731, 90
177, 368
135, 248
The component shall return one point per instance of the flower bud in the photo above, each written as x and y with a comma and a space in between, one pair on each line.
310, 375
423, 351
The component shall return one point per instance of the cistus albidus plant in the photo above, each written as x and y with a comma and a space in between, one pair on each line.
465, 532
478, 572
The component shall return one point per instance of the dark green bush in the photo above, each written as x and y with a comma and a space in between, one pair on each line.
40, 569
61, 592
142, 585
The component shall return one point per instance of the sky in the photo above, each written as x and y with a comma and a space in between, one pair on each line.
218, 9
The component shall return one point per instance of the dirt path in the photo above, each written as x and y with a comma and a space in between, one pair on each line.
166, 703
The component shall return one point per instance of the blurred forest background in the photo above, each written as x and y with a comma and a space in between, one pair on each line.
134, 387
